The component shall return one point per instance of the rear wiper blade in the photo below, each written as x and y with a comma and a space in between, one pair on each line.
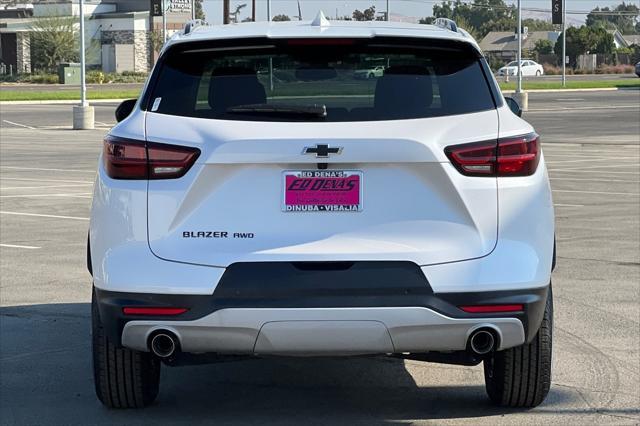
300, 111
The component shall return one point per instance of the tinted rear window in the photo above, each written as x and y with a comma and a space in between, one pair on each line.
309, 80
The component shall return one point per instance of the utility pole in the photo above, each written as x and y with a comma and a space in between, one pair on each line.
388, 16
193, 9
564, 43
83, 114
269, 10
253, 10
225, 11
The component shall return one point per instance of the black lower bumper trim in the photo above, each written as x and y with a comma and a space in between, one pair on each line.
321, 285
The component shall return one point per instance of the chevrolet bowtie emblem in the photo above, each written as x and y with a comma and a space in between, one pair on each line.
322, 151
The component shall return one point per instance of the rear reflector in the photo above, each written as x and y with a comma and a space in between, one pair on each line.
133, 159
513, 156
153, 311
488, 309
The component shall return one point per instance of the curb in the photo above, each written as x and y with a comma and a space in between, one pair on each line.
61, 102
591, 89
105, 101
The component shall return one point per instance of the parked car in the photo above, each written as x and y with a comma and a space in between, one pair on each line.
230, 222
527, 67
371, 72
638, 69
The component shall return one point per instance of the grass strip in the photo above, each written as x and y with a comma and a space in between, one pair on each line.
575, 84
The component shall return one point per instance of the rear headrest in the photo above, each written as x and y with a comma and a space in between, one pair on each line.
404, 91
233, 86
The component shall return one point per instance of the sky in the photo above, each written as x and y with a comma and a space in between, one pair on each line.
412, 8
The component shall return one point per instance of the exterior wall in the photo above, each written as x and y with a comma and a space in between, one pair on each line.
117, 37
23, 53
141, 46
141, 51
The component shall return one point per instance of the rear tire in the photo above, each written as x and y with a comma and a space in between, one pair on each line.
521, 376
123, 378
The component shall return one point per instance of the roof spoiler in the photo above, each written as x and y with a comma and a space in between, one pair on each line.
447, 24
190, 26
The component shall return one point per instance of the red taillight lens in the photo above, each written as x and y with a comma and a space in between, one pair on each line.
489, 309
132, 159
474, 159
153, 311
518, 156
514, 156
125, 158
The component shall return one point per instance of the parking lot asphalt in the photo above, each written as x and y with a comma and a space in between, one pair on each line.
591, 144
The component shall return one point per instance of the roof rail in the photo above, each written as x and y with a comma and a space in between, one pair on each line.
190, 26
447, 24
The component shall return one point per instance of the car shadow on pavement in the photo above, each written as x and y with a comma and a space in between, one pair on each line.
46, 376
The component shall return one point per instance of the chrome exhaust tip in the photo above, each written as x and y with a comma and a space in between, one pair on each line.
163, 344
482, 342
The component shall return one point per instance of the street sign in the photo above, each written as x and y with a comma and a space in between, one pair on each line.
556, 11
156, 7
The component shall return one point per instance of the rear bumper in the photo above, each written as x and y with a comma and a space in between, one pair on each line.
328, 331
322, 308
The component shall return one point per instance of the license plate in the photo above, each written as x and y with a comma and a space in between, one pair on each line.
322, 191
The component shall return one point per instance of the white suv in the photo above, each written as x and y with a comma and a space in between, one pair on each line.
241, 211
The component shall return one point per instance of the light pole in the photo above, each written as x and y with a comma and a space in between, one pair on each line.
83, 114
519, 59
564, 44
164, 21
388, 17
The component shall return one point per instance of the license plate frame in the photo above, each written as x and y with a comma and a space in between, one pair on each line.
329, 183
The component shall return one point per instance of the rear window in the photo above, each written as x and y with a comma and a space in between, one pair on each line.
320, 80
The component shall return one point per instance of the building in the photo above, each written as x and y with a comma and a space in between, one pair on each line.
504, 44
118, 32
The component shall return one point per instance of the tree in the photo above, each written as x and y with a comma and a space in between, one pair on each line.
585, 40
536, 25
199, 10
543, 47
53, 40
368, 14
281, 18
481, 16
623, 17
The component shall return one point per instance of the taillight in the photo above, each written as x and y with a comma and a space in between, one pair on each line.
492, 309
133, 159
153, 311
518, 156
513, 156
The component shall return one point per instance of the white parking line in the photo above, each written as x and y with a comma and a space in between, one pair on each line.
71, 185
597, 192
569, 205
44, 215
617, 166
46, 170
593, 171
72, 195
591, 160
573, 109
18, 124
45, 180
19, 246
595, 180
